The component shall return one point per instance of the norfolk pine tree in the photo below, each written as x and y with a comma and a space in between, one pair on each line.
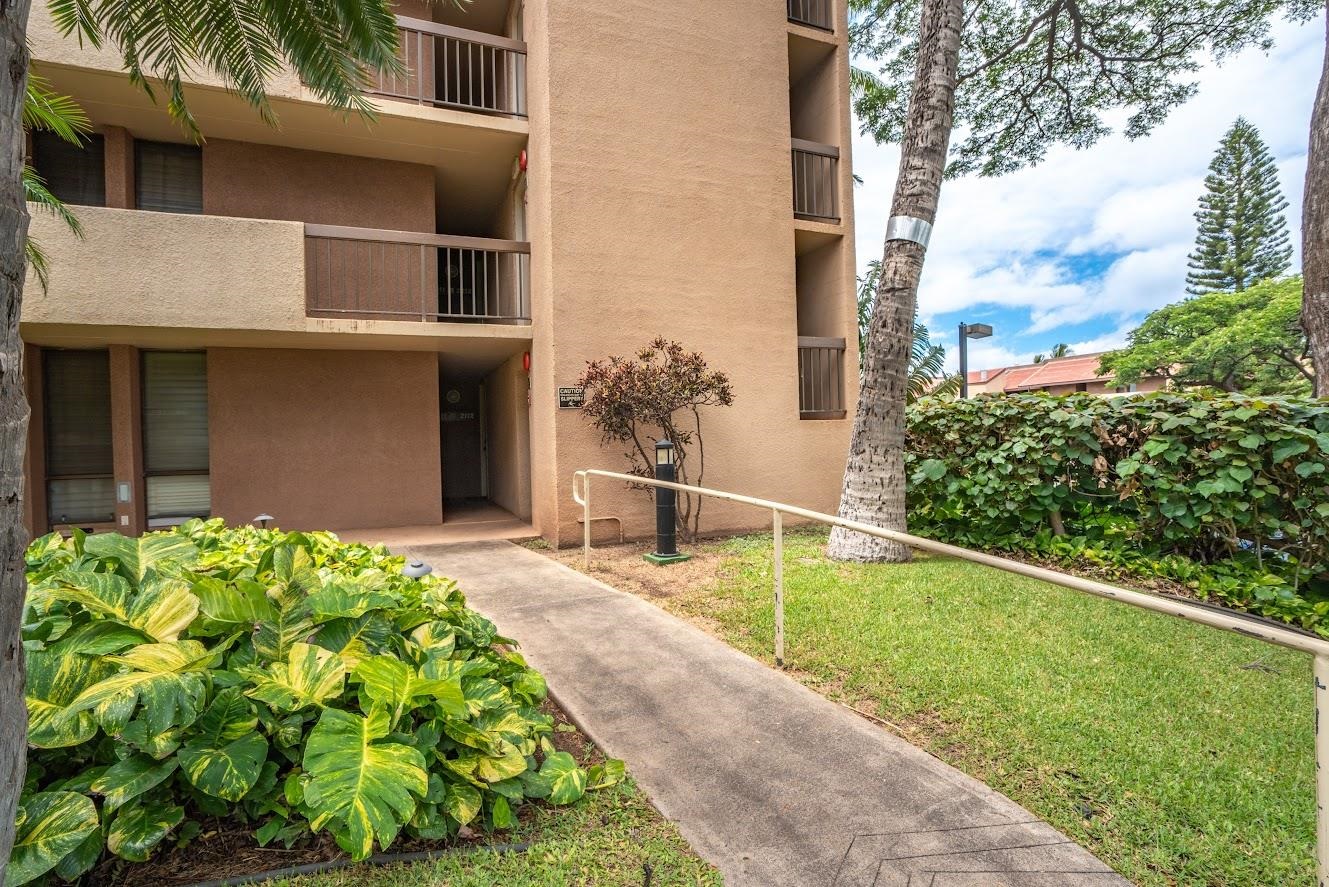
1243, 235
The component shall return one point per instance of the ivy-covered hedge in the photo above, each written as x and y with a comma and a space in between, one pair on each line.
1226, 494
284, 679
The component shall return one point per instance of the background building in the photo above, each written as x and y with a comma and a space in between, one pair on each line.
1056, 375
355, 325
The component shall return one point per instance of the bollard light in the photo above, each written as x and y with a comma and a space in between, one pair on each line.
263, 519
666, 509
416, 570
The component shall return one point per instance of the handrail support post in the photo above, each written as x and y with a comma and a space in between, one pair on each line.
777, 530
586, 520
1320, 669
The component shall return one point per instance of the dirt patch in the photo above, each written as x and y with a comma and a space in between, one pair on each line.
622, 567
227, 848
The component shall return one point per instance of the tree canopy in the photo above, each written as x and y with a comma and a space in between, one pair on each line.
1035, 74
1243, 234
1249, 341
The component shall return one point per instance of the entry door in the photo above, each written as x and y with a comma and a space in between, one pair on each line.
462, 414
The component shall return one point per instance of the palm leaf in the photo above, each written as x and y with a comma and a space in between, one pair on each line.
49, 111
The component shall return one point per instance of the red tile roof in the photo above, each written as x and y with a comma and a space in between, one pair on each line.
1071, 370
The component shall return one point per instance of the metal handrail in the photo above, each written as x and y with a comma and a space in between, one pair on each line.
1247, 626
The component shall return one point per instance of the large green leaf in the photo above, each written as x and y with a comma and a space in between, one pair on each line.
396, 684
345, 600
162, 608
134, 557
567, 781
239, 603
462, 802
51, 825
355, 639
226, 758
290, 622
54, 681
360, 787
165, 679
138, 829
125, 780
309, 676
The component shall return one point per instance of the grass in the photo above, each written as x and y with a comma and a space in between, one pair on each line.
1176, 753
609, 838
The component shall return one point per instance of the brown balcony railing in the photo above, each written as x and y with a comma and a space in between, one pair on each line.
820, 378
816, 181
399, 275
455, 68
816, 13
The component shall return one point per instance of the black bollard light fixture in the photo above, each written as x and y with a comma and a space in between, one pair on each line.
666, 510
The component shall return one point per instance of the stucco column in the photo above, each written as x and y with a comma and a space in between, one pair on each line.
34, 461
119, 161
127, 439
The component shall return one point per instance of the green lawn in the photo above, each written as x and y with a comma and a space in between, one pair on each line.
608, 838
1177, 753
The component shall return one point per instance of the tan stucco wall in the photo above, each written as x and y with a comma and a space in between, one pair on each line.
324, 439
509, 438
267, 182
655, 205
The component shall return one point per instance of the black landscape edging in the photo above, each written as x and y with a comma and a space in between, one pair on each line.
332, 865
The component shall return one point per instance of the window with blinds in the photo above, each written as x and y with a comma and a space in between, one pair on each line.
74, 173
175, 436
80, 484
168, 177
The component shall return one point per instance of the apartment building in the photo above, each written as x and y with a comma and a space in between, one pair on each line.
362, 325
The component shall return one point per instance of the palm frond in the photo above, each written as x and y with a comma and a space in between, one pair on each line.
37, 261
47, 110
36, 193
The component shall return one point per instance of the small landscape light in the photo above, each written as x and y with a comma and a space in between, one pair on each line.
263, 519
416, 570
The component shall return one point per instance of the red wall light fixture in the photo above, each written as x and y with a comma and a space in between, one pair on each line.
526, 361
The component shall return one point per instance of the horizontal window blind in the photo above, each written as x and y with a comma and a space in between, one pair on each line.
74, 173
175, 434
168, 177
79, 455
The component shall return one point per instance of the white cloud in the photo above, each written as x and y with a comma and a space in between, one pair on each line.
1013, 242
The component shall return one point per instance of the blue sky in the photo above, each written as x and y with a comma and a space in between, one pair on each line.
1081, 247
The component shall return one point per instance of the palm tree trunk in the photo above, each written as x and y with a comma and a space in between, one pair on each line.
13, 417
874, 481
1315, 231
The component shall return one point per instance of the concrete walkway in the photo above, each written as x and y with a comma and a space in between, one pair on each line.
768, 780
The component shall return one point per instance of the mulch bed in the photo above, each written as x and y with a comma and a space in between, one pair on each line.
227, 848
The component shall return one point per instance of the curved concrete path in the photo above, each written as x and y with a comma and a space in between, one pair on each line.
771, 782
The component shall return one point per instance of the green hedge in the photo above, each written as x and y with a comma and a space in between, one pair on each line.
284, 679
1225, 493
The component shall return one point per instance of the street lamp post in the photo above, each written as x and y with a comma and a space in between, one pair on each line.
969, 331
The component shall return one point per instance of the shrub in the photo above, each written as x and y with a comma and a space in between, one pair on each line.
1226, 493
285, 679
660, 391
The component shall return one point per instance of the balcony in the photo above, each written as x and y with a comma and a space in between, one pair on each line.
820, 378
449, 67
813, 13
166, 280
395, 275
816, 181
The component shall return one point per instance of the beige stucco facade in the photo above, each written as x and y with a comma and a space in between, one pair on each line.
371, 297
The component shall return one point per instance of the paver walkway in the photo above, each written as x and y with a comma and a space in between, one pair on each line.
771, 782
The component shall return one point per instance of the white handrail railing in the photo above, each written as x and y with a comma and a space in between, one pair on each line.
1248, 626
